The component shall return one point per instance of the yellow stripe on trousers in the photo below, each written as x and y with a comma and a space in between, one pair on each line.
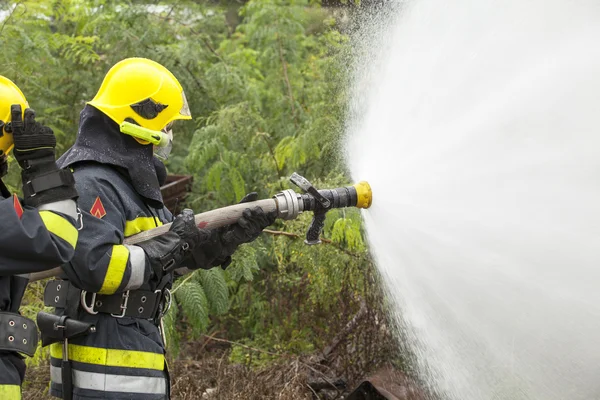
110, 357
115, 270
60, 227
10, 392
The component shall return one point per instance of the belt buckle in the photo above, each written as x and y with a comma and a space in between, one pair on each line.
124, 300
89, 309
164, 304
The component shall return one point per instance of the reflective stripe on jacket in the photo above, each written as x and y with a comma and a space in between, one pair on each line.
124, 358
33, 240
10, 392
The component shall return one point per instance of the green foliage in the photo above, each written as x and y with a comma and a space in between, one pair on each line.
244, 264
213, 282
170, 326
194, 304
268, 95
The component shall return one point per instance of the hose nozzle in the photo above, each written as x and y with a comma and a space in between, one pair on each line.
364, 194
290, 204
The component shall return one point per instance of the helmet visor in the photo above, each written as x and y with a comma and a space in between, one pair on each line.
185, 108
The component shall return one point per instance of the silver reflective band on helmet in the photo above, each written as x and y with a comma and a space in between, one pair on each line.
112, 383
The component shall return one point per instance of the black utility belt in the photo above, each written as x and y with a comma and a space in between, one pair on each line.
132, 303
17, 333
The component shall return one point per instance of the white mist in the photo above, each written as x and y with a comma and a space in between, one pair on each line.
477, 124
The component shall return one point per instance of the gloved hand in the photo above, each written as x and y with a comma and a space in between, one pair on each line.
34, 143
184, 239
245, 230
217, 245
164, 253
185, 226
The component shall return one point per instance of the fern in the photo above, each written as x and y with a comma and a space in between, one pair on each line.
237, 183
244, 264
170, 326
194, 305
215, 287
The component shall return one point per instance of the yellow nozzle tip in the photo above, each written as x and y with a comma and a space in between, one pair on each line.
364, 194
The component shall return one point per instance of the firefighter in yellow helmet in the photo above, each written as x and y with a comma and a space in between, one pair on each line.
38, 232
124, 289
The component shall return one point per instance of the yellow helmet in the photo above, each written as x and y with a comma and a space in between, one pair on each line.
144, 91
9, 94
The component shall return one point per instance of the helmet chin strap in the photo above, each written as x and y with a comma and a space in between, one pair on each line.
162, 141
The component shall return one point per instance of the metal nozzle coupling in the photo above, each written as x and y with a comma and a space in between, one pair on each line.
290, 204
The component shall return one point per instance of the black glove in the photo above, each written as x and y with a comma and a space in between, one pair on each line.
217, 245
164, 253
185, 226
34, 144
204, 244
184, 239
245, 230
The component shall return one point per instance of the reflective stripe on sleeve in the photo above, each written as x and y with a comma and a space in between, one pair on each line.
111, 357
112, 383
10, 392
140, 224
66, 207
60, 227
137, 260
115, 270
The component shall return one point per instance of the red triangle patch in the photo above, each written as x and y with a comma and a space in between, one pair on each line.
97, 209
18, 207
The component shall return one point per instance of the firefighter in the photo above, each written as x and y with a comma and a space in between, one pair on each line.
123, 290
37, 232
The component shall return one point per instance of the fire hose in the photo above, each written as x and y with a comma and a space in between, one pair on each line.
288, 204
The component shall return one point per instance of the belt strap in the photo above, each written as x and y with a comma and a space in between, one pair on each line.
132, 303
17, 333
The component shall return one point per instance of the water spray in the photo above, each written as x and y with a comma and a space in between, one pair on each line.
287, 204
477, 124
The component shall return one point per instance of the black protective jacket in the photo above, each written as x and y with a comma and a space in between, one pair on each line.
31, 240
119, 196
